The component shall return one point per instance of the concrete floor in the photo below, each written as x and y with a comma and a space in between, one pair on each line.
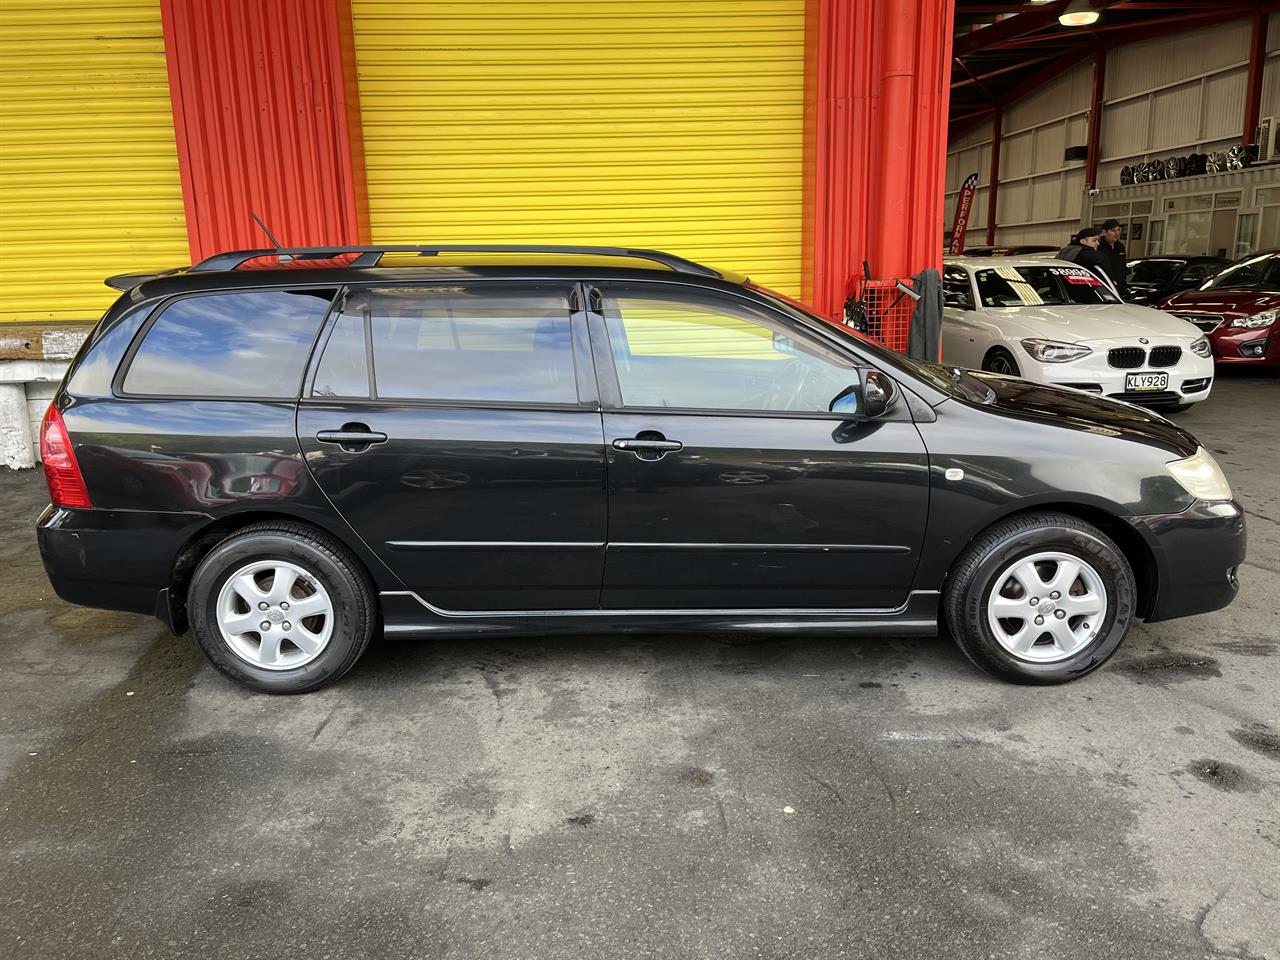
656, 797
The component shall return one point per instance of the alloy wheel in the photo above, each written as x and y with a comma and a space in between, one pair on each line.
275, 615
1046, 607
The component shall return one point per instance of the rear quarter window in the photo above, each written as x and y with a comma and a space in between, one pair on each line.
251, 343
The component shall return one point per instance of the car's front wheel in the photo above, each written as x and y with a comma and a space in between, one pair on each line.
281, 608
1040, 598
1000, 360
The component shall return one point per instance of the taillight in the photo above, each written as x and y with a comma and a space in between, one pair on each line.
61, 472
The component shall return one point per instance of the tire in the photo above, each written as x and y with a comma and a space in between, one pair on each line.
289, 657
983, 574
999, 360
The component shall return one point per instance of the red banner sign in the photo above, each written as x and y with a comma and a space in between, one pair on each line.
964, 203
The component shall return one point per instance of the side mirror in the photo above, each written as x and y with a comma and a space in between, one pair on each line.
957, 300
877, 394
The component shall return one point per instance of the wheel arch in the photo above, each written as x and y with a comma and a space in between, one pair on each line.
1136, 550
209, 534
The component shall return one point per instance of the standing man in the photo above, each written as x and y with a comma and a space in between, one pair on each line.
1083, 249
1113, 257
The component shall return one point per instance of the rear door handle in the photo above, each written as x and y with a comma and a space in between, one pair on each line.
352, 436
648, 445
638, 444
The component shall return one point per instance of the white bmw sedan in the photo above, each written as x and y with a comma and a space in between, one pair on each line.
1055, 322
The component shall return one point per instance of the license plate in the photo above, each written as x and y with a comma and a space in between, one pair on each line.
1141, 382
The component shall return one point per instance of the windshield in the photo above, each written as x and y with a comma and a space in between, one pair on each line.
1253, 273
1152, 273
1041, 286
949, 380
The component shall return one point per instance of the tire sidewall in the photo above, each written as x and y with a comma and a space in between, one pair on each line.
345, 642
1099, 554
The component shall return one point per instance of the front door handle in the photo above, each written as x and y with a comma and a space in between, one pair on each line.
648, 445
353, 437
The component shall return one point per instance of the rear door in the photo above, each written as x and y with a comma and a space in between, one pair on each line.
456, 428
732, 485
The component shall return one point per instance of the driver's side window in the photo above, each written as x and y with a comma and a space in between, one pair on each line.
696, 350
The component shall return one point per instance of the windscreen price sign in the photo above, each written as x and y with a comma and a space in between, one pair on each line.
1077, 275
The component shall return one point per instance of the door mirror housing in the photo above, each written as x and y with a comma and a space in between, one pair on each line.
877, 394
957, 300
868, 399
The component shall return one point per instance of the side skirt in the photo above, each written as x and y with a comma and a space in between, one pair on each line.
406, 614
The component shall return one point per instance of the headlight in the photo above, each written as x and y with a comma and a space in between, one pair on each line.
1264, 319
1201, 348
1200, 476
1055, 351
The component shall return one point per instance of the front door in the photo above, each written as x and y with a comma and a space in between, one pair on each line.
732, 485
456, 428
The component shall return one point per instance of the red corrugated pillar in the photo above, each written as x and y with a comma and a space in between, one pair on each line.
1253, 88
267, 119
993, 178
877, 76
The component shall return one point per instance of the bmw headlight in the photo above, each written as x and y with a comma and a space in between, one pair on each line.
1200, 475
1201, 348
1264, 319
1055, 351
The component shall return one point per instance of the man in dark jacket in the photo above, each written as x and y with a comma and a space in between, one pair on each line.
1084, 251
1113, 258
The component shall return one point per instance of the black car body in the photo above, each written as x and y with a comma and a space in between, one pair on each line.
1151, 279
595, 472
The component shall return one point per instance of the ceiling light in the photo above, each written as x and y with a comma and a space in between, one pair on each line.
1078, 14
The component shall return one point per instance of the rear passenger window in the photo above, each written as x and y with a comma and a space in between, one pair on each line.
252, 343
454, 343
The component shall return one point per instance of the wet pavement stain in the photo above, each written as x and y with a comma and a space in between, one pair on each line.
1169, 667
1222, 775
699, 777
582, 820
1259, 741
1248, 648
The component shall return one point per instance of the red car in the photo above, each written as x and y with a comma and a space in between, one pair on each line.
1239, 310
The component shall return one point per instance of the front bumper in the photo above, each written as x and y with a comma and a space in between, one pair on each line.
1198, 554
1190, 380
1254, 348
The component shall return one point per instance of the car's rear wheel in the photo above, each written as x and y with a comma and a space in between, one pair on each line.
281, 608
1040, 598
1001, 361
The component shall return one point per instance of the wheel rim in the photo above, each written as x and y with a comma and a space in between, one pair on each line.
1000, 364
275, 615
1047, 607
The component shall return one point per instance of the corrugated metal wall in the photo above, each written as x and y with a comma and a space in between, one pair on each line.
91, 182
675, 124
1040, 194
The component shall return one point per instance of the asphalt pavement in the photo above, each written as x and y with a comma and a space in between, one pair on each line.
648, 797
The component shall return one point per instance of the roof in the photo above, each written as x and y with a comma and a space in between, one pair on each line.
352, 264
1005, 49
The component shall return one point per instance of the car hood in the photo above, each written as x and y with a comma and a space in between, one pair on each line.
1084, 324
1077, 410
1230, 303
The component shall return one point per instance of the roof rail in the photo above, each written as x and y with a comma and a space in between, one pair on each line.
369, 256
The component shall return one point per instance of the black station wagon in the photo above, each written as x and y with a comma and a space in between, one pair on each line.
291, 451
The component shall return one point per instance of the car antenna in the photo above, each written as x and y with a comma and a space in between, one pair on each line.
284, 258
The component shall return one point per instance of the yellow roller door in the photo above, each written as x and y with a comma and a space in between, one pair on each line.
674, 124
88, 169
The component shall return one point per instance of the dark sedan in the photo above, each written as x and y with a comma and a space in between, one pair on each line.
1238, 309
1151, 279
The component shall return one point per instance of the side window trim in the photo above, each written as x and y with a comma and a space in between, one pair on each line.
158, 309
579, 340
610, 387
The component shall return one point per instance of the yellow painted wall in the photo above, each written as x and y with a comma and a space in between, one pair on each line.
88, 169
674, 124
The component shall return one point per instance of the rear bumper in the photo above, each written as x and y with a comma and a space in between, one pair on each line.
113, 560
1198, 554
